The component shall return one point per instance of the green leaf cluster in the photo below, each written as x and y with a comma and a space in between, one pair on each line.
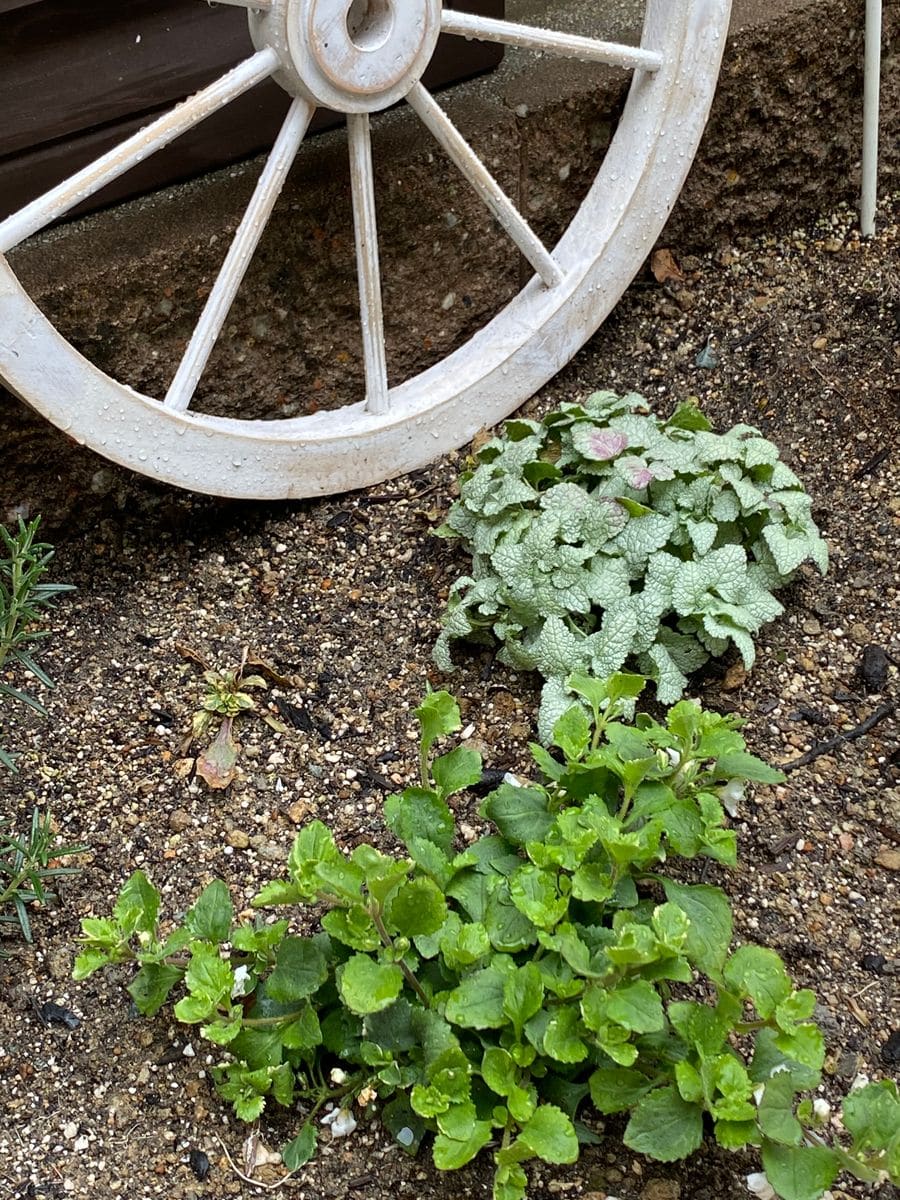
487, 993
24, 594
603, 537
29, 863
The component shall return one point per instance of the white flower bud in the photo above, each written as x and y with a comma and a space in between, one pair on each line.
338, 1076
822, 1109
731, 796
341, 1120
241, 979
674, 756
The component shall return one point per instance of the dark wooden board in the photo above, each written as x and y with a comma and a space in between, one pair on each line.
77, 76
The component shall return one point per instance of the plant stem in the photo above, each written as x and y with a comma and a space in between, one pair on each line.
268, 1022
752, 1026
12, 620
375, 914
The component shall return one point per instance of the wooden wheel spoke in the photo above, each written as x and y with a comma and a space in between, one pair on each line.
565, 45
59, 200
362, 178
241, 251
461, 153
359, 59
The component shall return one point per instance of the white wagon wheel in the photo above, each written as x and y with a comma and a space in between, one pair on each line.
359, 57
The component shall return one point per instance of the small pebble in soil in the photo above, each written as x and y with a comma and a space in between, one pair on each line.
873, 962
199, 1164
873, 668
890, 1051
661, 1189
55, 1014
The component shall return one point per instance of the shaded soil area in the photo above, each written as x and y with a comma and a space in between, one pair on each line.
799, 335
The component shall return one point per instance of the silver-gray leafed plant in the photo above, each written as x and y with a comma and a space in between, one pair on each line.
604, 535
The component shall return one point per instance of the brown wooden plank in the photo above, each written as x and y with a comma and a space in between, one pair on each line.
65, 67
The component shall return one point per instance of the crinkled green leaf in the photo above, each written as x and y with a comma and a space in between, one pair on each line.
459, 769
799, 1172
478, 1001
367, 986
210, 917
617, 1089
572, 732
450, 1153
438, 715
710, 930
137, 906
151, 986
353, 926
535, 893
636, 1006
520, 813
550, 1135
416, 907
799, 1006
701, 1026
801, 1052
208, 979
776, 1111
300, 970
664, 1127
300, 1149
871, 1114
759, 973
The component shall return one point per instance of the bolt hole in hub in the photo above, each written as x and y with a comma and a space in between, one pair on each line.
370, 23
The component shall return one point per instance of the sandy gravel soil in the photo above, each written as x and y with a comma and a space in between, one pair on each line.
343, 596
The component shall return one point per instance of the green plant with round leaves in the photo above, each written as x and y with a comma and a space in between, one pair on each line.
604, 536
488, 995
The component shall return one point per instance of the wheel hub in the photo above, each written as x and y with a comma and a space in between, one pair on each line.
353, 56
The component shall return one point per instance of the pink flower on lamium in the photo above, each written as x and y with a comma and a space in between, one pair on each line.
605, 443
641, 477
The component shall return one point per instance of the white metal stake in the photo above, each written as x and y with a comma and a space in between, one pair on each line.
871, 104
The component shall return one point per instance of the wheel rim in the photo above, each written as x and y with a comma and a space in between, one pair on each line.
400, 428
